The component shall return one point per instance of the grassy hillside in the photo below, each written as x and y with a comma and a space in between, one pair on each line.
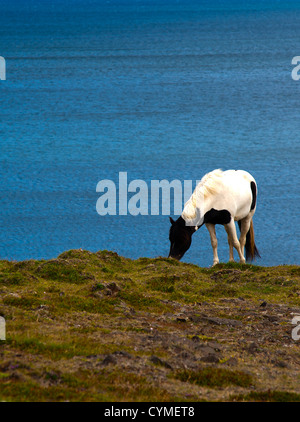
100, 327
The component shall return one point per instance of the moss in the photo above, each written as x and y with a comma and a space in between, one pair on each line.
16, 278
141, 302
56, 347
268, 396
164, 283
28, 302
214, 377
61, 271
82, 386
220, 290
71, 303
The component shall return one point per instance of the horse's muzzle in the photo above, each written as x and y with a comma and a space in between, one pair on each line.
177, 257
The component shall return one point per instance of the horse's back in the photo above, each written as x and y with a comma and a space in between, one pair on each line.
237, 192
237, 181
238, 176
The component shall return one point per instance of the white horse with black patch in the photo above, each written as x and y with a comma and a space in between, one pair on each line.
221, 197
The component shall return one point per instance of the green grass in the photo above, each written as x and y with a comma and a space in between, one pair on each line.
268, 396
214, 377
83, 386
63, 309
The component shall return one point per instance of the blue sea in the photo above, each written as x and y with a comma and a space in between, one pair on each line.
158, 89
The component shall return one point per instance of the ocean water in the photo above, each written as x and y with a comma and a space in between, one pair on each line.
157, 89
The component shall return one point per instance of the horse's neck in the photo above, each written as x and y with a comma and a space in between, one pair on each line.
203, 205
206, 204
184, 223
195, 209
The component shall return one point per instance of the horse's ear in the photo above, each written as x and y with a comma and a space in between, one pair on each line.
171, 221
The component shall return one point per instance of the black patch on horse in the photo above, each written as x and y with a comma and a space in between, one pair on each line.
253, 189
217, 217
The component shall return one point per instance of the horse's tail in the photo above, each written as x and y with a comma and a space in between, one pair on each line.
250, 247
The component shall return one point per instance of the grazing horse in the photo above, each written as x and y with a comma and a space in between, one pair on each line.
221, 197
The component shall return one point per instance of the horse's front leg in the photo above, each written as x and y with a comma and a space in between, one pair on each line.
230, 243
214, 241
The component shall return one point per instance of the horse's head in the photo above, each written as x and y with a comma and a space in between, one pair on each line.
180, 237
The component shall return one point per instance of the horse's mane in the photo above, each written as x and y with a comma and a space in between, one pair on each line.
208, 186
210, 183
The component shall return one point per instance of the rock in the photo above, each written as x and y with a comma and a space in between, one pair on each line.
111, 289
223, 321
109, 359
216, 346
231, 362
252, 348
209, 352
206, 349
157, 361
196, 318
271, 318
181, 319
122, 354
210, 358
280, 364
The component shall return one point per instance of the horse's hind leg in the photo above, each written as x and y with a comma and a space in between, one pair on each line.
233, 239
214, 241
244, 227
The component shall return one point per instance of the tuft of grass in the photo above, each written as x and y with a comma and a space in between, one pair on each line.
165, 284
9, 278
214, 377
201, 337
237, 266
57, 348
61, 271
220, 290
82, 386
29, 302
141, 302
268, 396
